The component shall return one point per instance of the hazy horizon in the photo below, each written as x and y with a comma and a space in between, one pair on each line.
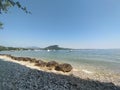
52, 45
79, 24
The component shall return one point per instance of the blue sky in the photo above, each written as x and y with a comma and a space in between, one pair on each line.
68, 23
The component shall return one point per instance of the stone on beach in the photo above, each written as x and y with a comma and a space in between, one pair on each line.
48, 65
33, 60
40, 63
51, 65
21, 58
64, 67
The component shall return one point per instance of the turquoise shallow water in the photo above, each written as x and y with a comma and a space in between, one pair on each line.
99, 58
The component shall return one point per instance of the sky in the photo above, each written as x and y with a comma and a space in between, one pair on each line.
83, 24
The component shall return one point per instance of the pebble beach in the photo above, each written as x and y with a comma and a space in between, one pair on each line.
22, 75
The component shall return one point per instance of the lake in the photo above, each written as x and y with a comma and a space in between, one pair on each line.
92, 59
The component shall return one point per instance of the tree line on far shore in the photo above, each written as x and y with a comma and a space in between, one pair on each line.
3, 48
52, 47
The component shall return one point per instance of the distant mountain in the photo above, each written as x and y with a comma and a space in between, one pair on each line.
55, 47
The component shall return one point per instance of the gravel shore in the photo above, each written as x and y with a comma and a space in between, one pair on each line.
14, 76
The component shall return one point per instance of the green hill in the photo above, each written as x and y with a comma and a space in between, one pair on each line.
55, 47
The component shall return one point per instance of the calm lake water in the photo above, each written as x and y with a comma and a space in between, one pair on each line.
91, 59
